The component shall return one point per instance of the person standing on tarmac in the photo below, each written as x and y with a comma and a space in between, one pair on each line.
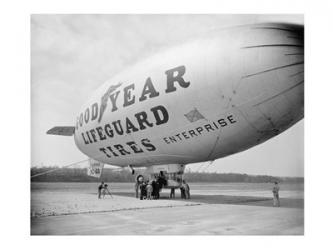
182, 191
143, 191
139, 180
186, 190
161, 179
172, 193
276, 198
136, 187
100, 187
149, 190
155, 189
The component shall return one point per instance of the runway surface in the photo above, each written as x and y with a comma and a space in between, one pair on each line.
216, 211
198, 219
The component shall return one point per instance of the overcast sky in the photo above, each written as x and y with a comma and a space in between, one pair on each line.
72, 55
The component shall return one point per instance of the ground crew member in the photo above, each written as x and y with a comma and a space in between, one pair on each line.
149, 191
157, 186
276, 198
161, 179
138, 182
155, 189
172, 193
143, 191
187, 190
182, 191
136, 189
100, 187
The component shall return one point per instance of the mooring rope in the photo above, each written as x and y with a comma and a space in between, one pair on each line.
53, 170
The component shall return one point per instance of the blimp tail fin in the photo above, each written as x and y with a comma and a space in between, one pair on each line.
66, 131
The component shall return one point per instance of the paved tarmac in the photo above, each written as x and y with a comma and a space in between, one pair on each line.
214, 209
253, 217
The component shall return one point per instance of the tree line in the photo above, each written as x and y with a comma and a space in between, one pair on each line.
110, 175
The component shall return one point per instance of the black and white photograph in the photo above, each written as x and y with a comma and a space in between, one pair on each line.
167, 124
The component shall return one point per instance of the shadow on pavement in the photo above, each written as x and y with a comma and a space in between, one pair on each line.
234, 200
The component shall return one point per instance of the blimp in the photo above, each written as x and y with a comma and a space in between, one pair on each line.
207, 98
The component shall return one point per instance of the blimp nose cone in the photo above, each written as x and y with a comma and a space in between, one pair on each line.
271, 49
272, 81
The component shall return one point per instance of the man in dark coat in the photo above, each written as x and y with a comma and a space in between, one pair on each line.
100, 187
143, 191
156, 194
